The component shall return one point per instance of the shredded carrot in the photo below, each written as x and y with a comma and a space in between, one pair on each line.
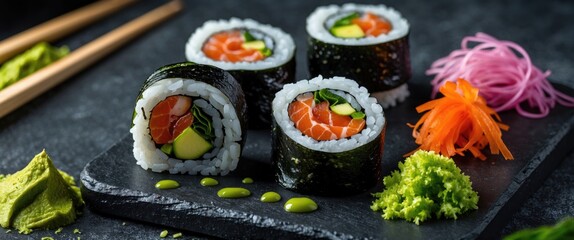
459, 121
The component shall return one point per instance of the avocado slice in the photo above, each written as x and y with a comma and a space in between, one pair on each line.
190, 145
257, 45
344, 109
349, 31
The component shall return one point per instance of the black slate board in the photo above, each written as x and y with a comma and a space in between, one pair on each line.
113, 184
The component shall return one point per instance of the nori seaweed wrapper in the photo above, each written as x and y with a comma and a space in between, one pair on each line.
307, 171
260, 87
213, 76
378, 67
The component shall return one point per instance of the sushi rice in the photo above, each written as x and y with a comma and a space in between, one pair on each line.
375, 120
224, 156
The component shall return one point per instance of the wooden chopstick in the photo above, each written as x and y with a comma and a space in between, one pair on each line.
28, 88
59, 27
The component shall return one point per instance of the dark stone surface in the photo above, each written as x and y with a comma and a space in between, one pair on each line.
113, 184
91, 112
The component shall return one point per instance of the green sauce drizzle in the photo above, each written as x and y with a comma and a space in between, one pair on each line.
247, 180
300, 205
166, 184
233, 192
270, 197
208, 182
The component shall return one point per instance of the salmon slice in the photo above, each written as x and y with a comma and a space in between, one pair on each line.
226, 46
164, 115
181, 124
324, 115
319, 122
373, 25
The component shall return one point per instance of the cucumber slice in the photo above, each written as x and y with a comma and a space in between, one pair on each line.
344, 109
167, 148
358, 115
258, 45
190, 145
349, 31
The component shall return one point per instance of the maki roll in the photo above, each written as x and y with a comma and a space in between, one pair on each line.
260, 57
367, 43
328, 137
189, 118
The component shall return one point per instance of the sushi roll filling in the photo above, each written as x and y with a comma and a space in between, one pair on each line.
357, 24
177, 121
238, 45
326, 115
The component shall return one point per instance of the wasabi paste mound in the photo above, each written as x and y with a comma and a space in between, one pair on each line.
38, 196
35, 58
426, 184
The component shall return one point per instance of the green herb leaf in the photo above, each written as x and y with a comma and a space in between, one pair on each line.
358, 115
266, 52
247, 37
348, 20
202, 123
326, 95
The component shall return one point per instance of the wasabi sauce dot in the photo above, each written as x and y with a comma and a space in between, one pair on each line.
166, 184
247, 180
233, 192
300, 205
163, 234
207, 182
270, 197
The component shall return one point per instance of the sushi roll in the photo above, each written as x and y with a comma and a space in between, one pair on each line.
367, 43
189, 118
328, 137
260, 57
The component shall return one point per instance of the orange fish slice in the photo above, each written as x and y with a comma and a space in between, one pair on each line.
226, 46
319, 122
373, 25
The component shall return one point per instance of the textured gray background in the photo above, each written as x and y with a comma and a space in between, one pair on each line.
78, 120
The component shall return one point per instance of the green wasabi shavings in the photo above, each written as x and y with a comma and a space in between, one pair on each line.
35, 58
163, 234
562, 230
426, 184
59, 230
178, 235
47, 238
77, 231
